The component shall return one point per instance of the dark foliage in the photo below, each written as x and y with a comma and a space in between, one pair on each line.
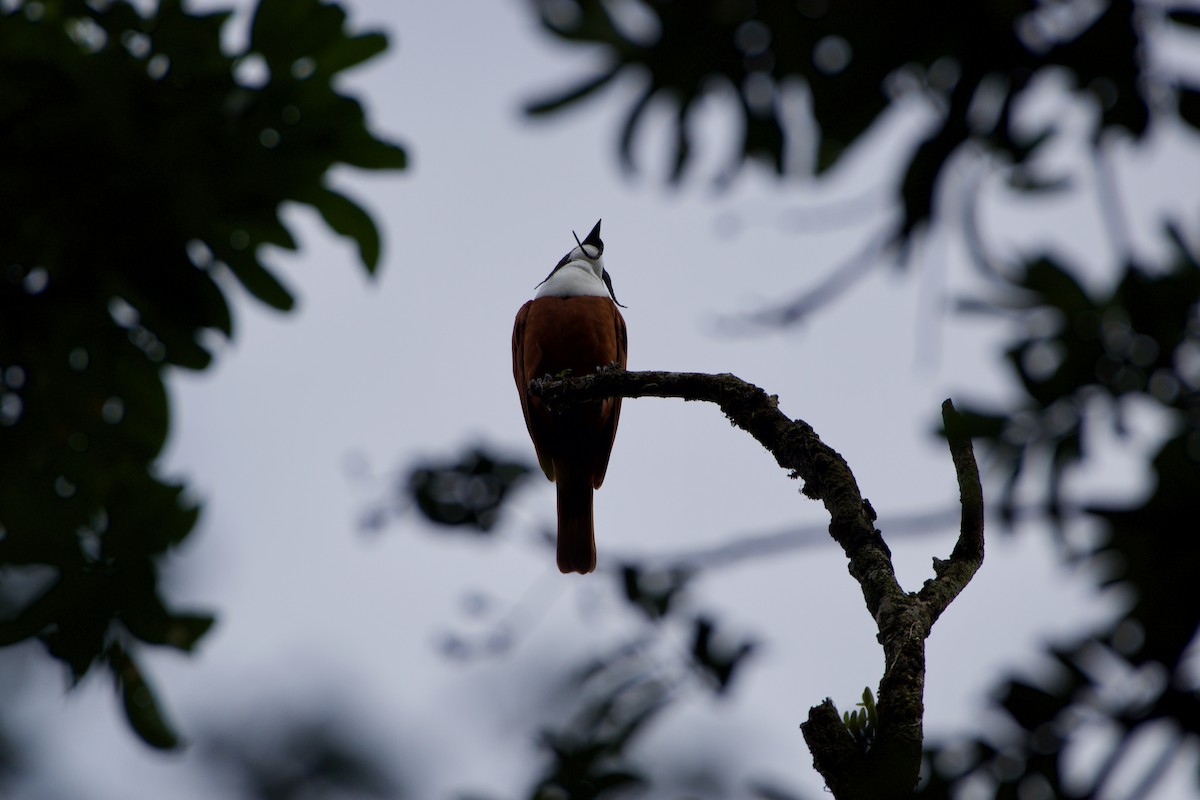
673, 651
141, 167
1089, 356
653, 591
620, 695
716, 659
305, 755
467, 493
1086, 357
855, 59
1081, 354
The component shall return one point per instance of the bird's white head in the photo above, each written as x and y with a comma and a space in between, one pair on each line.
580, 273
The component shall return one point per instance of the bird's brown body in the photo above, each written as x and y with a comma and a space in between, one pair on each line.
553, 335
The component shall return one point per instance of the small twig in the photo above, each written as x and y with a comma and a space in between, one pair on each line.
840, 279
1108, 196
969, 224
748, 545
954, 574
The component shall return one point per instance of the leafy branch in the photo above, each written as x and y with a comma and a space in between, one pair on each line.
145, 163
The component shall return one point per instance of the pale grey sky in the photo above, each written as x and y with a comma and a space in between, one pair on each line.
417, 363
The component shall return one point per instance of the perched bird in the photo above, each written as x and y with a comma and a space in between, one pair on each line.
572, 326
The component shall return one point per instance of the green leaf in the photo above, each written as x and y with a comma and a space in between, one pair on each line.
258, 280
1024, 180
151, 622
1057, 286
274, 30
1189, 106
146, 517
372, 153
141, 608
630, 125
34, 617
142, 708
921, 179
555, 102
273, 231
347, 52
1185, 16
187, 353
1031, 705
285, 31
137, 382
347, 218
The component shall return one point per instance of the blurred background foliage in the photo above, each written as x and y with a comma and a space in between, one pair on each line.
853, 61
120, 226
141, 167
1084, 358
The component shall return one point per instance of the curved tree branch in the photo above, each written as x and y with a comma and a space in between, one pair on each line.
889, 764
954, 574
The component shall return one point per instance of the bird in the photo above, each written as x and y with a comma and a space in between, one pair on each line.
572, 326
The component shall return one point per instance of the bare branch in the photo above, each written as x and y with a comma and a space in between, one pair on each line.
889, 766
967, 556
835, 753
794, 444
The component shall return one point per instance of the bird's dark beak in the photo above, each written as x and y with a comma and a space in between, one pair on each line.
593, 238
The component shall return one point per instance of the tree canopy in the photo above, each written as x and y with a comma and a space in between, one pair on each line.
143, 167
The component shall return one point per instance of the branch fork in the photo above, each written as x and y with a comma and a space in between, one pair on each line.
890, 766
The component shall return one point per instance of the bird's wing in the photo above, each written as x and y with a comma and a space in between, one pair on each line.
522, 379
609, 434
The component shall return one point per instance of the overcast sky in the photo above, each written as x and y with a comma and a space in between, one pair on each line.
370, 374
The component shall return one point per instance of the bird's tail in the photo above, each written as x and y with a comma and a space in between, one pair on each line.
576, 536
